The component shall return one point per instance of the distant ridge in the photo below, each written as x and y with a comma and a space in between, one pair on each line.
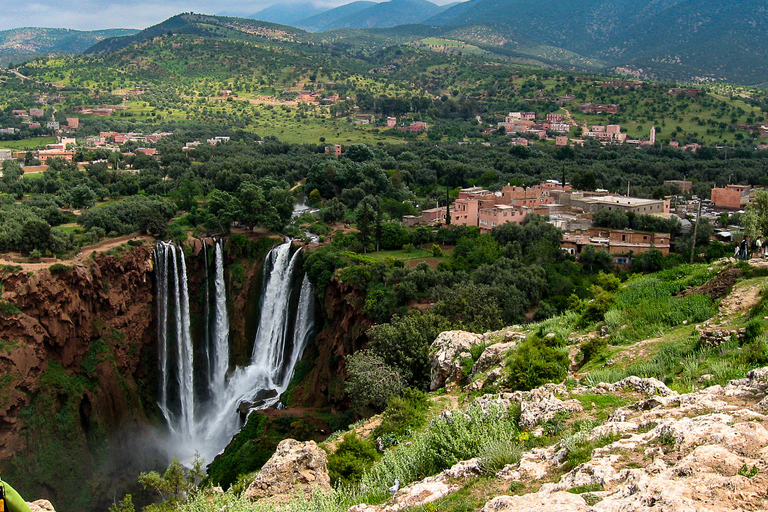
385, 15
329, 19
288, 14
201, 25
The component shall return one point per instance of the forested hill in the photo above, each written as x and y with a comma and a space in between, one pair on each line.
671, 39
206, 26
23, 43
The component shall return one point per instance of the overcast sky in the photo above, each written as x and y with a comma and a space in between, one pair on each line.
139, 14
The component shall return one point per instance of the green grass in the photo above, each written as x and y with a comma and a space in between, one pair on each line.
416, 254
27, 143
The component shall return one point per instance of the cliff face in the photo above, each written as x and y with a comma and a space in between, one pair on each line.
76, 362
342, 334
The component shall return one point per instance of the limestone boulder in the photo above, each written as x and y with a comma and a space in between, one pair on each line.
492, 358
445, 356
564, 501
533, 412
41, 506
295, 467
648, 387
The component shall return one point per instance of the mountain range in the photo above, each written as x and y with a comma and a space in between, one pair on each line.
20, 44
677, 40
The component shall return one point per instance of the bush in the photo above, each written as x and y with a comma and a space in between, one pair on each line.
352, 457
592, 348
372, 382
403, 414
58, 268
533, 364
403, 344
453, 437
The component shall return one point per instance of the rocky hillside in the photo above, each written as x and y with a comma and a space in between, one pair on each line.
74, 356
676, 421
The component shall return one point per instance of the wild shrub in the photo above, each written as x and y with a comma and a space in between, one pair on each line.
454, 436
58, 268
754, 330
532, 364
591, 349
352, 457
403, 414
498, 453
372, 382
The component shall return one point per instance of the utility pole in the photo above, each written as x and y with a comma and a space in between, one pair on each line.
695, 228
447, 207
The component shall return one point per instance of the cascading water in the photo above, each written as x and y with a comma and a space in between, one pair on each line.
177, 398
206, 423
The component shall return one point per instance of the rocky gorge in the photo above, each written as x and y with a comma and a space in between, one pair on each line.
79, 412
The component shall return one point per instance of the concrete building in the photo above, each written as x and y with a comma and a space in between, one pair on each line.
622, 244
489, 218
590, 203
732, 197
464, 212
334, 150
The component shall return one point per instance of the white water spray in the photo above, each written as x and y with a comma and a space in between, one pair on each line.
285, 326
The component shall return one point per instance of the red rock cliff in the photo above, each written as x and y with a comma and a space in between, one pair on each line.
75, 345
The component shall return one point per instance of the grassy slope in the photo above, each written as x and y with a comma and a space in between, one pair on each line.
672, 355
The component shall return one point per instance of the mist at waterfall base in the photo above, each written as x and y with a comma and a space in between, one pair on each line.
200, 394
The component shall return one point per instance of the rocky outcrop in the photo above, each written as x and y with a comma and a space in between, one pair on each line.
536, 406
492, 357
645, 386
445, 356
702, 451
295, 467
428, 490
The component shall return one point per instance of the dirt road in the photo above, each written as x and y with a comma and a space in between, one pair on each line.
82, 256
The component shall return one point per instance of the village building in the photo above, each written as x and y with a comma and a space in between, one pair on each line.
731, 197
334, 150
622, 244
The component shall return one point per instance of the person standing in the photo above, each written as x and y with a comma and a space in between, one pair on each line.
744, 247
758, 248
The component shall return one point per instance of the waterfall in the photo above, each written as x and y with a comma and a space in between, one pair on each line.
177, 398
206, 422
221, 325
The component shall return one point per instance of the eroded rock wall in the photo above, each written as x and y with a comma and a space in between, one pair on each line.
76, 363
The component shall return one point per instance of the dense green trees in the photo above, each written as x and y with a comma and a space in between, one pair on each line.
135, 213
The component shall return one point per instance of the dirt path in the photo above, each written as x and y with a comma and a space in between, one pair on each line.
82, 256
572, 121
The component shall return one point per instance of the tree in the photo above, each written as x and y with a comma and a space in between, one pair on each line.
372, 382
364, 215
404, 342
176, 484
584, 181
756, 217
614, 219
35, 235
334, 211
82, 196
